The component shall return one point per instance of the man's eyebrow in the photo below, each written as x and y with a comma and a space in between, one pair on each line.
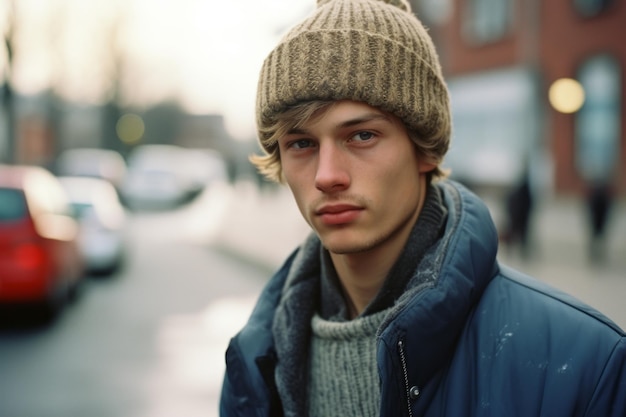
368, 117
297, 131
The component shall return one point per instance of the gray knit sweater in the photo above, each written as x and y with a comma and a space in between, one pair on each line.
343, 379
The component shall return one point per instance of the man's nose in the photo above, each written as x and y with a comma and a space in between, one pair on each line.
332, 169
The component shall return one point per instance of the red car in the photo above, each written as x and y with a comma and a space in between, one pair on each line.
39, 258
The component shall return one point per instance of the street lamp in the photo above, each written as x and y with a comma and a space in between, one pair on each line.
130, 128
566, 95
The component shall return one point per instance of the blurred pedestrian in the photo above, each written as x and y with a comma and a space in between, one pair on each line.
519, 203
599, 201
396, 305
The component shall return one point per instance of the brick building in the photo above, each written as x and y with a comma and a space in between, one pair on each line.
501, 58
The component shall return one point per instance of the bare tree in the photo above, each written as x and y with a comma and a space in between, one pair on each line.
7, 154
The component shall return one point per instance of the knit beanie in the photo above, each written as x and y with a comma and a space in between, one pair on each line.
372, 51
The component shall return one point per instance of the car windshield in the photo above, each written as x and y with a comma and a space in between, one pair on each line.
12, 205
80, 210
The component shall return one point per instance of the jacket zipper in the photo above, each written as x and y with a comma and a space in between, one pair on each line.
405, 373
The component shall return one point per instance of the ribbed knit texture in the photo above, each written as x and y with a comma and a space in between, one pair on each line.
361, 50
343, 378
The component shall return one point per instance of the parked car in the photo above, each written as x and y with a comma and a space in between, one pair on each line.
92, 162
102, 219
40, 260
203, 167
157, 178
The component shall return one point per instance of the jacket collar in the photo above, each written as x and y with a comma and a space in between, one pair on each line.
452, 277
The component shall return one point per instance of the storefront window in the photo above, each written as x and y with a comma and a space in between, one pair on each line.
589, 8
598, 121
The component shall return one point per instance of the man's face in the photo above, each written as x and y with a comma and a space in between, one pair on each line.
356, 177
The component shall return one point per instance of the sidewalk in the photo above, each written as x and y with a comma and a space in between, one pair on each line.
263, 227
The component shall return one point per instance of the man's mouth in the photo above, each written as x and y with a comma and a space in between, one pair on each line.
337, 214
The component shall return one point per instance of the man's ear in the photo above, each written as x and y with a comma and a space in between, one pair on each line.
426, 166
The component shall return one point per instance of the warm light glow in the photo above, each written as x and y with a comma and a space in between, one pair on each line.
130, 128
566, 95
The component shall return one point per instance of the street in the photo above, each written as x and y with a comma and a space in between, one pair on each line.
148, 342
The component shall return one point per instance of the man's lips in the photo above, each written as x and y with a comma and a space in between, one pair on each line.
334, 214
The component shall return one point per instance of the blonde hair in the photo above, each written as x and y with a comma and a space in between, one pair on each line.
432, 148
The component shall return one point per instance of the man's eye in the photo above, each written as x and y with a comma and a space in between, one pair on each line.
363, 136
300, 144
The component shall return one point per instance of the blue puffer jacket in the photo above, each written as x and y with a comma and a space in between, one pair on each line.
479, 340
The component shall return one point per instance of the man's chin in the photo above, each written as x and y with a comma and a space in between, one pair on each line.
345, 246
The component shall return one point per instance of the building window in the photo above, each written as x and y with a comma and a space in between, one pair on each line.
487, 20
590, 8
496, 126
433, 12
598, 121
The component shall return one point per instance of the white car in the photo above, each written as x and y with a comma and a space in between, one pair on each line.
166, 176
203, 167
102, 219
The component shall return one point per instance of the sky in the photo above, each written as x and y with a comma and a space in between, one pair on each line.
206, 54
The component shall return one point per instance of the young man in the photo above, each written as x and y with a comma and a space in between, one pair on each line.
396, 305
